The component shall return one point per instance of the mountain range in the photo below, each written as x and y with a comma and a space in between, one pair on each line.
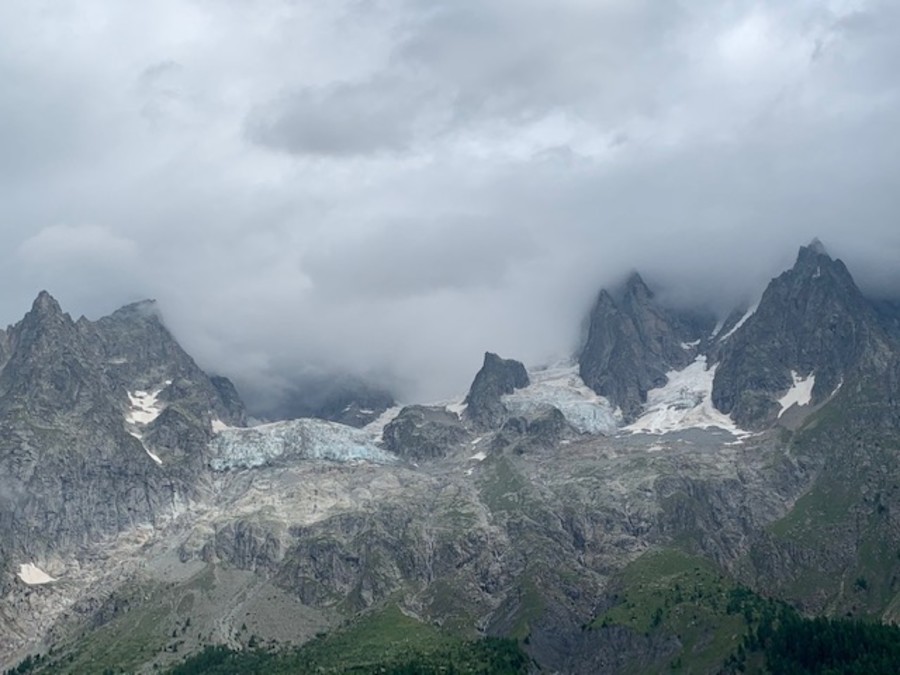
648, 504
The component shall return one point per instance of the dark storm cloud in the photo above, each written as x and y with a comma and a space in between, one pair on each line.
391, 188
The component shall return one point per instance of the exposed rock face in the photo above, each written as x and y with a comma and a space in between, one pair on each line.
497, 377
422, 432
140, 353
633, 342
72, 469
542, 431
812, 321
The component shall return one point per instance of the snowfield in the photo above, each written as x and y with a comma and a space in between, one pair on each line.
684, 402
144, 406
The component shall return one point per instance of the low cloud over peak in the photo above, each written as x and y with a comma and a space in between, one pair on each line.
394, 188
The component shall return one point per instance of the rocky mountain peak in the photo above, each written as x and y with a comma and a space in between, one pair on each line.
632, 343
45, 314
812, 321
497, 377
44, 364
103, 424
814, 261
636, 290
45, 304
815, 246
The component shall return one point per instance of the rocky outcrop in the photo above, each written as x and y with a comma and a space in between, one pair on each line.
812, 321
543, 431
73, 469
485, 409
422, 432
139, 352
632, 342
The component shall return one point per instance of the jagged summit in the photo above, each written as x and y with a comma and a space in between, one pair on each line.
87, 403
635, 286
633, 342
45, 316
816, 246
811, 330
812, 325
45, 303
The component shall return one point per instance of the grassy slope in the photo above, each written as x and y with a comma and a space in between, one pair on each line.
850, 510
682, 595
387, 641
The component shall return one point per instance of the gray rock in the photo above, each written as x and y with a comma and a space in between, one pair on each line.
812, 320
422, 432
632, 342
485, 409
70, 472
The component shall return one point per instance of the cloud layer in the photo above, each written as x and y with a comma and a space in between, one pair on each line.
391, 188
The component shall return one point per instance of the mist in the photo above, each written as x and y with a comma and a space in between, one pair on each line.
389, 189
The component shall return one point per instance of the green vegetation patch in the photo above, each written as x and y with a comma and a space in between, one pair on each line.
723, 627
686, 596
384, 642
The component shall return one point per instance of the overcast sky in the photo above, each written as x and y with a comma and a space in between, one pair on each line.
395, 187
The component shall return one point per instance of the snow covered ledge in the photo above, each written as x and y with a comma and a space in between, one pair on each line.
34, 575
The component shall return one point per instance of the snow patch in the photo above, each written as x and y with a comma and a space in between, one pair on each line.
560, 386
478, 457
750, 312
684, 402
294, 439
144, 407
153, 456
457, 408
687, 346
218, 425
800, 392
375, 428
34, 575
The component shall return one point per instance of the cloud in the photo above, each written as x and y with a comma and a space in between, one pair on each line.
77, 245
392, 188
383, 114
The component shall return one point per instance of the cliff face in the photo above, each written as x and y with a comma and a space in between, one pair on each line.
812, 322
497, 377
103, 427
633, 342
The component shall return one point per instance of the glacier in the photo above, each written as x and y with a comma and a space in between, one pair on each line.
238, 448
560, 386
